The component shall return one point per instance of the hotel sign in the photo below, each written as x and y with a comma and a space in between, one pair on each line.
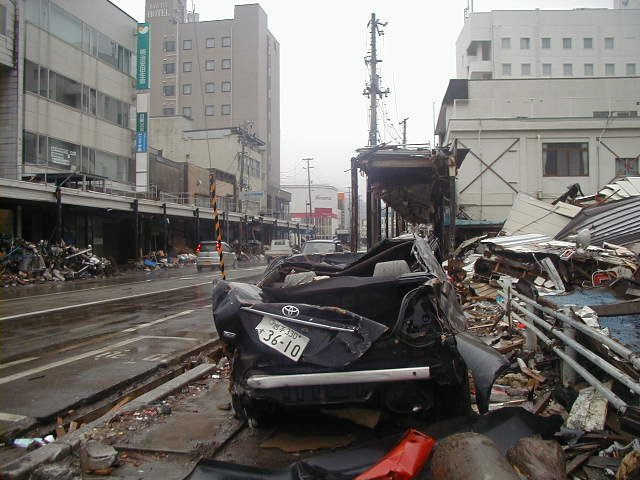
143, 71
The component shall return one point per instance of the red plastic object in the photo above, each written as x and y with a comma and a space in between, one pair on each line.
405, 461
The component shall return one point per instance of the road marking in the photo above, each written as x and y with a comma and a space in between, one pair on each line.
115, 299
10, 417
82, 356
155, 322
18, 362
31, 297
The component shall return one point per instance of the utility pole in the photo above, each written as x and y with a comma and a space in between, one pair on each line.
373, 89
404, 130
373, 92
308, 169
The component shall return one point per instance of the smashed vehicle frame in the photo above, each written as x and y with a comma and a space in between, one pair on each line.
383, 331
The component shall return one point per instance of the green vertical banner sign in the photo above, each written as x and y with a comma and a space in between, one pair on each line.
143, 72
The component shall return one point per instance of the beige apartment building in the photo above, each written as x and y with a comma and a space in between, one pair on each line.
67, 90
220, 74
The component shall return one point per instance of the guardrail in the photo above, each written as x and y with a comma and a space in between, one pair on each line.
562, 333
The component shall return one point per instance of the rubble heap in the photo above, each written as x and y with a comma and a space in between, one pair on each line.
28, 263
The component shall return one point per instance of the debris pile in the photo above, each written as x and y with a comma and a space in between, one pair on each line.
561, 301
158, 259
28, 263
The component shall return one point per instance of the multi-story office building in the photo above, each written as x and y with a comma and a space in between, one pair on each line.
543, 100
550, 43
220, 74
70, 92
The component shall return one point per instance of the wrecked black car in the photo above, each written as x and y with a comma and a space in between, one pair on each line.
381, 330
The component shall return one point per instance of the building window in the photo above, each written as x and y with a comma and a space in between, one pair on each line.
186, 89
169, 90
187, 44
525, 43
3, 20
565, 159
610, 69
588, 69
588, 43
187, 67
226, 109
169, 68
608, 43
186, 111
546, 42
210, 65
208, 110
566, 43
210, 42
226, 86
567, 69
31, 83
506, 69
631, 69
226, 63
209, 87
168, 111
63, 154
627, 167
546, 69
226, 41
169, 45
506, 43
525, 68
65, 91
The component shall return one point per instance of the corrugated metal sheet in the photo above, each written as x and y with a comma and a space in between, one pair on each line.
615, 222
529, 215
509, 241
618, 190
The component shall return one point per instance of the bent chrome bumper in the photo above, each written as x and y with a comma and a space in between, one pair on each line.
339, 378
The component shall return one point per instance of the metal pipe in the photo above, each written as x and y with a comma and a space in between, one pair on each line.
621, 350
339, 378
620, 405
595, 359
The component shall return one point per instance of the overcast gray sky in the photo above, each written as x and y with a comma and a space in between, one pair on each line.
323, 43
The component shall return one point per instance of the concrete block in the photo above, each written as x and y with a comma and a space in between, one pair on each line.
21, 468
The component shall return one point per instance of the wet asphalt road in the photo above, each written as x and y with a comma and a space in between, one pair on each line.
63, 356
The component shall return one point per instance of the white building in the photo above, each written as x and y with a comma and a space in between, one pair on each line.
539, 136
544, 99
550, 43
324, 206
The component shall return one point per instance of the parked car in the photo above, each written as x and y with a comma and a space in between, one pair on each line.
280, 247
321, 246
383, 330
207, 255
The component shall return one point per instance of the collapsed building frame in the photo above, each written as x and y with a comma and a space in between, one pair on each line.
417, 181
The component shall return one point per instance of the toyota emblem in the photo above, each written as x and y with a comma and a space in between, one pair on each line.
290, 311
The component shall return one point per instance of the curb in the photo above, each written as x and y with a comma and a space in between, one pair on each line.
21, 468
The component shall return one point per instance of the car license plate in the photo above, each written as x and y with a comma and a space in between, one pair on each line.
281, 338
207, 262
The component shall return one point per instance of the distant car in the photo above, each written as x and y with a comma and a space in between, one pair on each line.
280, 247
321, 246
207, 255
